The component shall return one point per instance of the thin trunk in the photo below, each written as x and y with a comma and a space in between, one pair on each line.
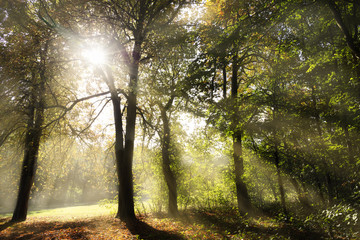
224, 81
323, 160
32, 144
275, 133
349, 145
330, 187
212, 83
169, 175
318, 184
301, 195
279, 178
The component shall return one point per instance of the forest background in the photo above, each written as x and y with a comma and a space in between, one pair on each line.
175, 105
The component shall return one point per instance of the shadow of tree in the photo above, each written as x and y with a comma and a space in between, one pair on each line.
147, 232
51, 230
6, 224
227, 223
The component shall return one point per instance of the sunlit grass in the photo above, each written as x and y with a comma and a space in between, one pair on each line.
67, 213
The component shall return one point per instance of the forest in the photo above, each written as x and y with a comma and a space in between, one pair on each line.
179, 119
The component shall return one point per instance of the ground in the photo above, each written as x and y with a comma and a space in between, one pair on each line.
95, 222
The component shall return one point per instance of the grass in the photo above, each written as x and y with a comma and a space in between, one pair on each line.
98, 222
66, 213
72, 212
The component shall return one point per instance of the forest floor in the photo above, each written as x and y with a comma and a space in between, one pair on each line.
93, 222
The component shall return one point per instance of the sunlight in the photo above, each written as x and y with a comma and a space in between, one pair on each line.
95, 55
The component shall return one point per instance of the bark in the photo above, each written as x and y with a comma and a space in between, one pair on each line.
32, 144
169, 175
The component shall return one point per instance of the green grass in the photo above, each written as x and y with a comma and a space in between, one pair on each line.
69, 212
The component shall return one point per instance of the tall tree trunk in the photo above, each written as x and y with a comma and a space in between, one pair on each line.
243, 199
126, 190
123, 157
32, 144
169, 175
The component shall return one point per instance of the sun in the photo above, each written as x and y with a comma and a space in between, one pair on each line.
96, 55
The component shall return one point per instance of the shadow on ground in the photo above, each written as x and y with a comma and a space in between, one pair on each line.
45, 230
147, 232
5, 223
230, 224
87, 228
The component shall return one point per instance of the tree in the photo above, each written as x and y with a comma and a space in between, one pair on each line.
27, 62
234, 56
131, 23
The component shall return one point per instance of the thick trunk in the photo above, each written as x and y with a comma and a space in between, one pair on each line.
243, 199
169, 175
32, 144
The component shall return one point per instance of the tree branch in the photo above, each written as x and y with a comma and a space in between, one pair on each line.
349, 39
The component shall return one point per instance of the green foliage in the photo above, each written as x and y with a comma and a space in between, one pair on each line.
110, 204
340, 220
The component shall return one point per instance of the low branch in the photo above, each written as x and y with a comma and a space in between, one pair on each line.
73, 104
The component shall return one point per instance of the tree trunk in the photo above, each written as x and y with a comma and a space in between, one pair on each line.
32, 144
126, 190
279, 178
123, 158
243, 199
301, 195
169, 175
